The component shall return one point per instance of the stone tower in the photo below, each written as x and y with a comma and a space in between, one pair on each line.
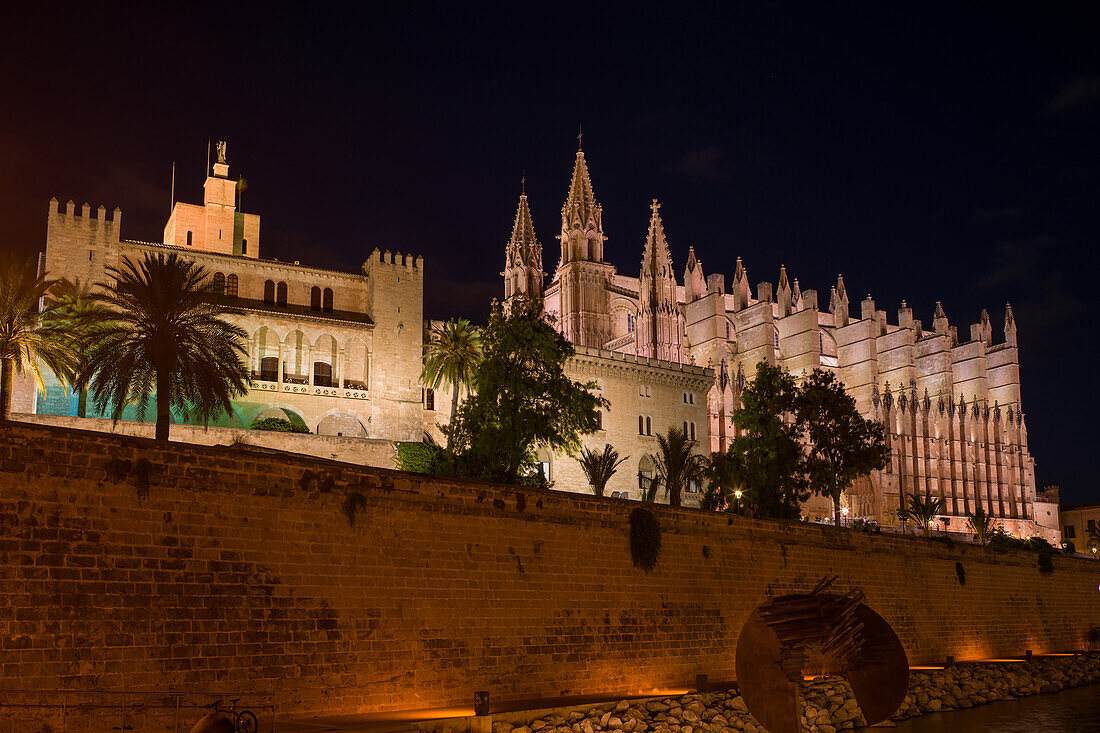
659, 332
582, 273
523, 275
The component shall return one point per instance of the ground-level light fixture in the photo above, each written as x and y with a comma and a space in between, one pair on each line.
481, 703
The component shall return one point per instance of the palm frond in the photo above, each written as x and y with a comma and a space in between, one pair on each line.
600, 466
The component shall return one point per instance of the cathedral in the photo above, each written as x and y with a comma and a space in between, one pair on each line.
951, 402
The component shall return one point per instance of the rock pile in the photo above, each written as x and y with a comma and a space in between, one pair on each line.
828, 705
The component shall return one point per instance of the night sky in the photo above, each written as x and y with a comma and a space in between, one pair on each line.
928, 153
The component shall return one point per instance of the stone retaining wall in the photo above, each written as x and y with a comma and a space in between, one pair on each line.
126, 564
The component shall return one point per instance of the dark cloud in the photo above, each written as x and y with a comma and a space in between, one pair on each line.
698, 165
1077, 93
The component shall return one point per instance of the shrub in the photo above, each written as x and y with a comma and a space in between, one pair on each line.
277, 425
418, 457
1068, 547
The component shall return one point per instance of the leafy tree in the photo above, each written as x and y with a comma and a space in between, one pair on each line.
451, 356
922, 510
166, 334
768, 450
277, 425
725, 477
76, 311
28, 338
600, 466
842, 445
677, 464
521, 398
981, 525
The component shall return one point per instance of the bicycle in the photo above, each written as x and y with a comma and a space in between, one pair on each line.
244, 721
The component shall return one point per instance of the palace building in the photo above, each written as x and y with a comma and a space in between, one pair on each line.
950, 400
336, 352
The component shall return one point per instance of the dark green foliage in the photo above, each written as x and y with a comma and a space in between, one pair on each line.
768, 451
163, 333
677, 464
521, 399
451, 356
725, 477
960, 571
645, 539
842, 445
353, 503
600, 466
1001, 541
29, 338
418, 457
1068, 547
76, 312
981, 524
277, 425
649, 493
922, 511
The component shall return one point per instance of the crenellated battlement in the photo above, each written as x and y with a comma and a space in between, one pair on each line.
379, 258
67, 215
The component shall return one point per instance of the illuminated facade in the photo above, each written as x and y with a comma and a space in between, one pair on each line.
951, 400
336, 352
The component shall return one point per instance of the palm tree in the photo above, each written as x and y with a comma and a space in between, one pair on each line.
981, 524
922, 510
164, 333
599, 467
77, 313
452, 356
28, 339
677, 463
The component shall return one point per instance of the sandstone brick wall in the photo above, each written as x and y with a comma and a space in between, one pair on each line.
126, 564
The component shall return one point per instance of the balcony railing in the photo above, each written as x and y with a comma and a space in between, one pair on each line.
349, 392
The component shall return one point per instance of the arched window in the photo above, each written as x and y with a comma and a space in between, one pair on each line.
641, 425
685, 428
544, 464
244, 246
269, 369
231, 286
727, 330
328, 300
630, 323
429, 399
645, 473
693, 431
599, 420
280, 298
322, 374
219, 283
315, 298
269, 292
775, 336
188, 239
648, 427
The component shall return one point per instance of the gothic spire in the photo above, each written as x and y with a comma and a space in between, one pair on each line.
580, 205
656, 258
523, 230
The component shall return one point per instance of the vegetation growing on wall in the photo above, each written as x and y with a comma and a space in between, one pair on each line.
277, 425
645, 539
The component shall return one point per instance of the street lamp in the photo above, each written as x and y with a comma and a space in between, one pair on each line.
737, 504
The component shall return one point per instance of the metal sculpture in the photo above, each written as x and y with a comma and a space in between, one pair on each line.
855, 642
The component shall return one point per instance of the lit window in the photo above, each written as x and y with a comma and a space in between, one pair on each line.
429, 398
